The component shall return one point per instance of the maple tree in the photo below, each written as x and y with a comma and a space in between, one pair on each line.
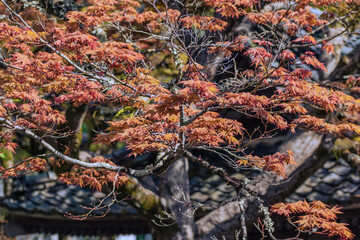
316, 215
111, 55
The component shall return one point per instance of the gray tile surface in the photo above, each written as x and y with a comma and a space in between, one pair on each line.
339, 186
41, 194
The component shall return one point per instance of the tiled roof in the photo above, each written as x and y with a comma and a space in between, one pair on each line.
351, 44
212, 191
42, 194
335, 183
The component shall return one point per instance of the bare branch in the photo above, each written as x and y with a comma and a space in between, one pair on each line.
216, 170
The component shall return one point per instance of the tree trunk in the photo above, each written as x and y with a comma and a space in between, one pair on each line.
7, 162
175, 189
309, 157
70, 144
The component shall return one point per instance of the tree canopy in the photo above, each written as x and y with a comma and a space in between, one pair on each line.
161, 77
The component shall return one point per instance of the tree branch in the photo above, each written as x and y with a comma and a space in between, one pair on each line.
216, 170
148, 170
271, 189
68, 60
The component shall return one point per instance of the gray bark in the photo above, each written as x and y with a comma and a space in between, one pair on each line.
332, 61
177, 175
226, 219
75, 117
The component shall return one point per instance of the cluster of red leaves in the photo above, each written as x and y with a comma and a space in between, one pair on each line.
24, 167
231, 9
213, 131
298, 90
314, 217
203, 22
92, 178
259, 56
38, 81
7, 143
293, 20
228, 48
319, 125
103, 11
274, 163
310, 59
115, 55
